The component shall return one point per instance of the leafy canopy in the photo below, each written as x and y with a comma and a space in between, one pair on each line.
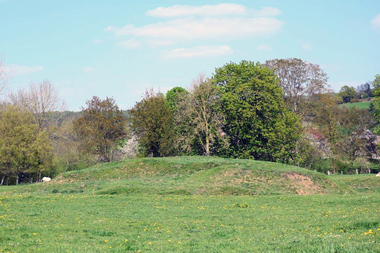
152, 122
100, 128
23, 148
257, 122
347, 93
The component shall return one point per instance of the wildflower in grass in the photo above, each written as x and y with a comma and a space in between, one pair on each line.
34, 234
106, 241
126, 240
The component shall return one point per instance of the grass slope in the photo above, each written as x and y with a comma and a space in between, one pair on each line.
144, 205
194, 176
360, 105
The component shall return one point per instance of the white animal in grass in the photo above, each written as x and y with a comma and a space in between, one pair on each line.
46, 179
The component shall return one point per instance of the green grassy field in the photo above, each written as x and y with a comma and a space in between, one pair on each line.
360, 105
192, 205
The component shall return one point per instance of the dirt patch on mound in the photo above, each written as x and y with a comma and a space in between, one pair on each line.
303, 184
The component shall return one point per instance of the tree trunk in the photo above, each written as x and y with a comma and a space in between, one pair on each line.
207, 146
17, 180
2, 180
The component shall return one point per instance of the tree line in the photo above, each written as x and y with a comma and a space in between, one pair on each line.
280, 111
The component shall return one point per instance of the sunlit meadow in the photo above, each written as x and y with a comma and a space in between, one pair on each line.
78, 217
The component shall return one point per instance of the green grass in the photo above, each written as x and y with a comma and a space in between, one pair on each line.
195, 175
192, 204
361, 105
360, 183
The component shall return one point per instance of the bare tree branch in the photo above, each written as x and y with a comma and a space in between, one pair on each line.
198, 109
299, 80
39, 99
3, 77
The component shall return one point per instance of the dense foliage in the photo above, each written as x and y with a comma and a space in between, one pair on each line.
347, 93
257, 122
100, 128
25, 152
172, 97
152, 122
245, 110
376, 102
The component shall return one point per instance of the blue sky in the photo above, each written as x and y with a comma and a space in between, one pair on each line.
119, 48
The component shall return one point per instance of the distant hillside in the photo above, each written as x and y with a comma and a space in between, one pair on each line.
361, 105
57, 118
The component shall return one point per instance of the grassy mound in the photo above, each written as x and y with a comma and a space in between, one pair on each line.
143, 205
193, 176
359, 183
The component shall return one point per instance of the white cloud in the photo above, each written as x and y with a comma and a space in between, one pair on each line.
263, 47
129, 44
200, 51
204, 10
88, 70
188, 24
21, 70
376, 22
162, 42
97, 41
191, 28
306, 47
266, 12
203, 22
210, 11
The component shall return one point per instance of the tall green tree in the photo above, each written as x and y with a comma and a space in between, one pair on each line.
152, 122
23, 148
375, 106
327, 115
354, 125
376, 103
100, 128
257, 122
347, 93
173, 95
